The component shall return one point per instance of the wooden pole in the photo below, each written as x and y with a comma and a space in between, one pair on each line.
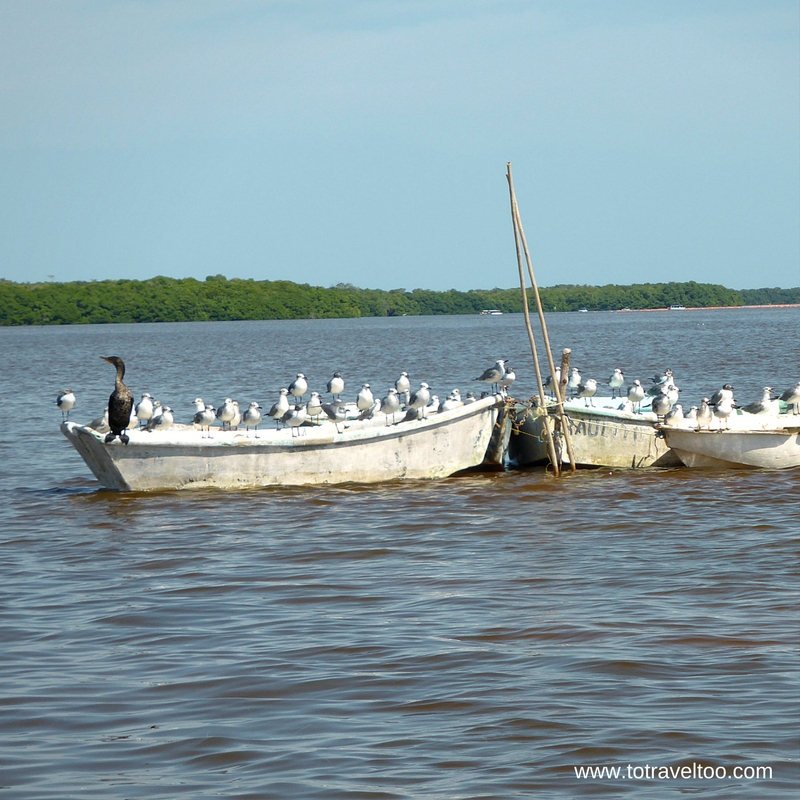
556, 387
551, 445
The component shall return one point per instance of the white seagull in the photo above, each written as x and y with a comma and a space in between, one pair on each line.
616, 381
314, 406
574, 379
494, 374
204, 418
226, 412
506, 380
365, 400
144, 408
792, 398
278, 411
587, 390
674, 417
336, 385
162, 422
762, 406
636, 393
295, 417
299, 386
252, 417
704, 415
66, 402
391, 403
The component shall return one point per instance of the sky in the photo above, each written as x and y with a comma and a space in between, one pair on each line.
366, 141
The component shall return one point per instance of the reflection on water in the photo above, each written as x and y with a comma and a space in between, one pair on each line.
477, 636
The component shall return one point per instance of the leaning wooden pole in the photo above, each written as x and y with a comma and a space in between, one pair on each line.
551, 445
556, 388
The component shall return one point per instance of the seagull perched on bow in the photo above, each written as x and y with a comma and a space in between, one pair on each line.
494, 374
336, 412
762, 406
661, 404
278, 411
336, 385
574, 379
65, 402
507, 380
616, 381
163, 422
252, 417
704, 414
365, 400
792, 398
725, 392
299, 386
226, 412
144, 408
391, 403
314, 405
294, 418
420, 398
636, 393
674, 417
550, 383
204, 418
587, 390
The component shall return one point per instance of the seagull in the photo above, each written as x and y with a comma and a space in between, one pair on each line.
133, 422
369, 413
506, 380
494, 374
101, 423
659, 381
204, 418
762, 406
626, 407
163, 422
725, 391
661, 404
237, 416
336, 412
299, 386
314, 406
792, 398
198, 404
120, 404
294, 418
470, 398
365, 401
252, 417
431, 408
226, 412
336, 385
587, 390
616, 381
550, 383
673, 392
420, 398
391, 403
723, 409
574, 379
636, 393
402, 384
704, 415
452, 401
674, 417
278, 411
65, 401
144, 408
690, 418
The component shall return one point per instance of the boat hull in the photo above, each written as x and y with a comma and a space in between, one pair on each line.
601, 437
760, 449
360, 452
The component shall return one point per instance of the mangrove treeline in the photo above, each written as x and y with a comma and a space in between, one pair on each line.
217, 298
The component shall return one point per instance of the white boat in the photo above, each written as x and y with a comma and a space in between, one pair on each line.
361, 451
602, 435
773, 447
491, 312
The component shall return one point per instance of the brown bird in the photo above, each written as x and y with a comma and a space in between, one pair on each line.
120, 404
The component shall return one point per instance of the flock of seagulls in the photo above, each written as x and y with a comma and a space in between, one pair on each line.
663, 395
400, 401
290, 410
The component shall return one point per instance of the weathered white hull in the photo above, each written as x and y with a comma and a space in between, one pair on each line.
766, 449
601, 437
363, 452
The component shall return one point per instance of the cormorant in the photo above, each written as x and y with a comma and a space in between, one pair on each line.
120, 404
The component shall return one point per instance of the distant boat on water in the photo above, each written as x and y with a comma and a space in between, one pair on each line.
491, 312
677, 308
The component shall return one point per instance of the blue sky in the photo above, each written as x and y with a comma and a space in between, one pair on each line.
365, 141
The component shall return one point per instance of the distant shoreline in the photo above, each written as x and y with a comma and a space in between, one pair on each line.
706, 308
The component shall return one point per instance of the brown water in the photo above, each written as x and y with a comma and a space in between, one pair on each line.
476, 637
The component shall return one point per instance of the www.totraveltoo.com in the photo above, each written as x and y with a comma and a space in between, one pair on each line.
695, 771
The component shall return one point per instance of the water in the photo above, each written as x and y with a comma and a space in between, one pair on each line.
475, 637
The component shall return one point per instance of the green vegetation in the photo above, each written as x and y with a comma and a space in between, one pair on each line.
217, 298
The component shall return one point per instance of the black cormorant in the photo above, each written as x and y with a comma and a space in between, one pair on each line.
120, 404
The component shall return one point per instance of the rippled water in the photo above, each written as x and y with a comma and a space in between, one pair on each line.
475, 637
